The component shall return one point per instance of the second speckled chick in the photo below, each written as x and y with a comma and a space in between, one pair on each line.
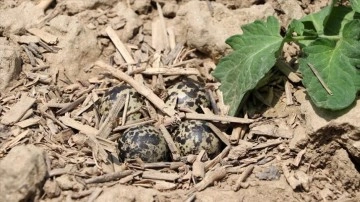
192, 136
188, 93
144, 142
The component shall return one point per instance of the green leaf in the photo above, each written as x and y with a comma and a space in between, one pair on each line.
255, 33
255, 52
314, 23
338, 18
337, 63
334, 19
295, 26
355, 4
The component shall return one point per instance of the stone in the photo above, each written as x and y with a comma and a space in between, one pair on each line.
196, 25
133, 22
170, 9
292, 10
10, 64
78, 44
22, 173
17, 19
141, 7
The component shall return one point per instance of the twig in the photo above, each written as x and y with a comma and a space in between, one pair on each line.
289, 97
163, 25
292, 181
168, 59
97, 150
235, 135
53, 118
58, 171
217, 159
41, 77
107, 126
182, 63
172, 43
209, 179
204, 109
197, 116
127, 99
108, 145
119, 128
108, 177
85, 91
33, 82
213, 102
71, 105
187, 53
53, 128
45, 36
174, 151
35, 50
218, 133
41, 67
140, 88
191, 198
129, 177
13, 142
30, 55
156, 175
221, 104
266, 144
235, 170
243, 177
171, 71
298, 158
287, 70
78, 125
92, 102
198, 170
119, 45
94, 194
320, 79
47, 47
28, 122
78, 195
159, 165
18, 110
151, 110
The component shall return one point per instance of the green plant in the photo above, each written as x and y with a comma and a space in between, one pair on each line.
330, 63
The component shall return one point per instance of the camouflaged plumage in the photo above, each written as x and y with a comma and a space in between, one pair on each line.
192, 136
188, 93
145, 142
109, 99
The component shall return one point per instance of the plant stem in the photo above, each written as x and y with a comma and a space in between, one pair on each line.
299, 38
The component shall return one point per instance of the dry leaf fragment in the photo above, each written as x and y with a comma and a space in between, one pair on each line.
18, 110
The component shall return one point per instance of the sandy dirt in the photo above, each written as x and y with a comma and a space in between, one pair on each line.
58, 59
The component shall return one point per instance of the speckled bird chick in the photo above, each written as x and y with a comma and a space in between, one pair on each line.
188, 93
135, 101
192, 136
145, 142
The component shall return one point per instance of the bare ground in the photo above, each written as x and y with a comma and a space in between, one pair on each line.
56, 62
